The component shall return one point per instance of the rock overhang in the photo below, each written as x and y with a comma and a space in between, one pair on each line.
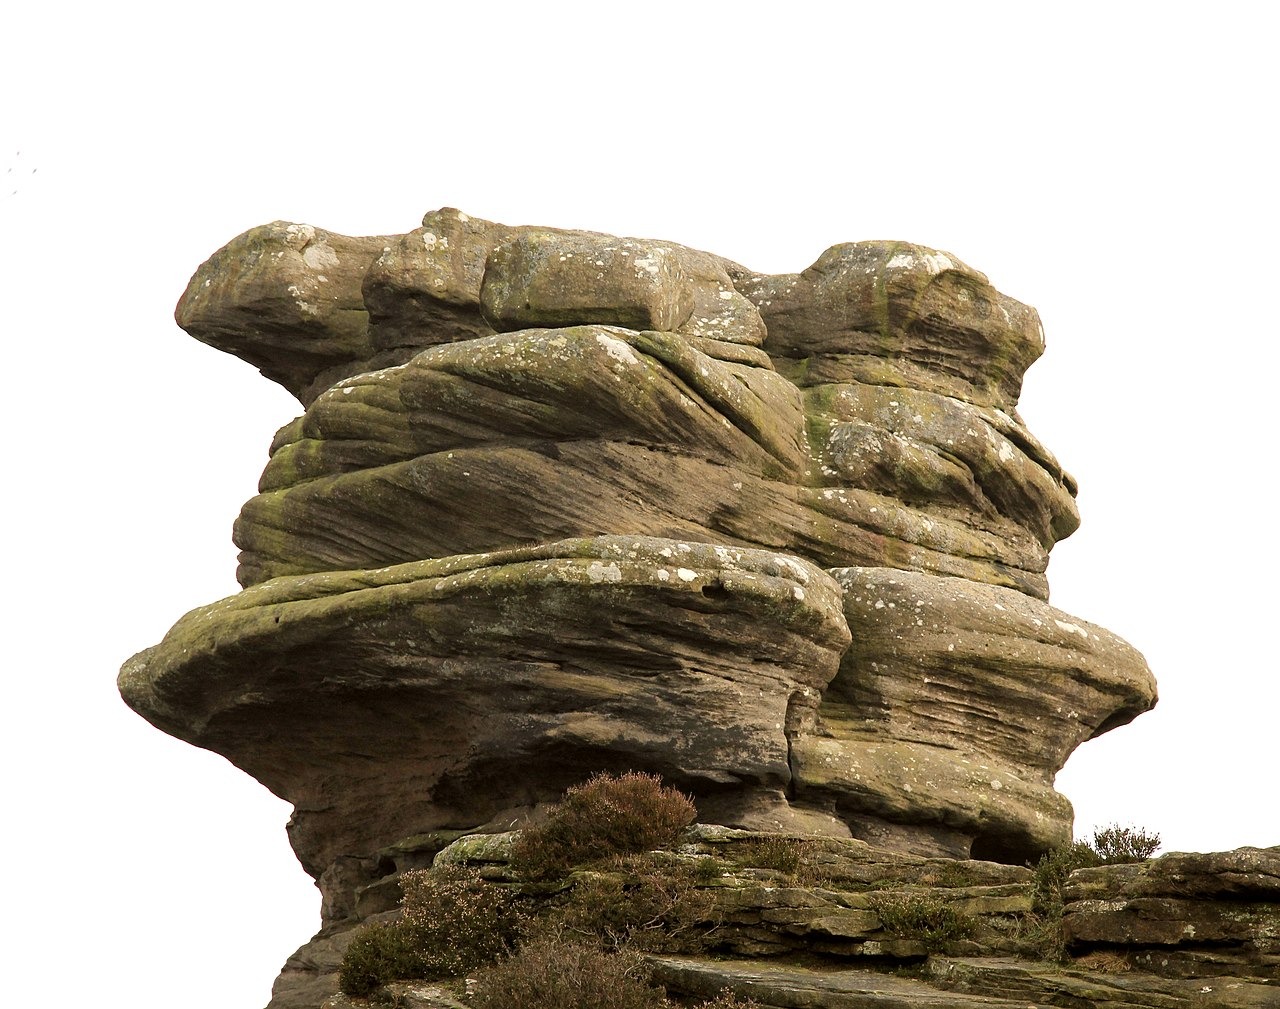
532, 396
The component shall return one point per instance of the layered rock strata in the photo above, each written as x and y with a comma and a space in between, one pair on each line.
817, 935
1184, 915
562, 502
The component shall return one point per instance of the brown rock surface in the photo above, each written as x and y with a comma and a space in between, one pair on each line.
435, 694
955, 706
562, 502
628, 395
286, 298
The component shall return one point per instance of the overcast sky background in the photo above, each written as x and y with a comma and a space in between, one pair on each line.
1112, 165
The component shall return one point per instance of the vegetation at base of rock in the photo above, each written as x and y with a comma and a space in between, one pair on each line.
781, 854
651, 901
1051, 874
1113, 845
568, 974
921, 916
378, 954
1116, 845
728, 1000
605, 816
560, 971
465, 920
452, 921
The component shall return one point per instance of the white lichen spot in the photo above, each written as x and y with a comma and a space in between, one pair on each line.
664, 575
617, 350
685, 575
430, 241
319, 256
995, 783
1007, 453
726, 295
797, 593
598, 572
1072, 629
650, 264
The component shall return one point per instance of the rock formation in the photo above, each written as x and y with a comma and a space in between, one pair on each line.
562, 502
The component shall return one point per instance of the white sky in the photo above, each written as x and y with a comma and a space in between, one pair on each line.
1111, 165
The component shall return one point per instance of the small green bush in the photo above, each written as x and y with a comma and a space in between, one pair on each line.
921, 916
782, 854
1051, 874
708, 869
378, 954
1117, 845
552, 971
451, 922
604, 816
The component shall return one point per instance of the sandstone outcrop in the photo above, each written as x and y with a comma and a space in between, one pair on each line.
561, 502
1184, 915
819, 935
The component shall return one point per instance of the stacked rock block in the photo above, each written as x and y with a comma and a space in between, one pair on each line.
561, 502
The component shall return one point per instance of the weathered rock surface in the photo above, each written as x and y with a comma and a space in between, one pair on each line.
440, 694
895, 314
286, 298
562, 502
1184, 914
913, 467
814, 937
955, 706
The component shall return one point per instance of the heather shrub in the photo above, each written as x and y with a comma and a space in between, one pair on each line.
648, 901
921, 916
461, 920
1116, 845
728, 1000
604, 816
451, 922
554, 971
378, 954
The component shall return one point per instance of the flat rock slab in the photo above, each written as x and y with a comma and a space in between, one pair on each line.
954, 984
1028, 983
787, 986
